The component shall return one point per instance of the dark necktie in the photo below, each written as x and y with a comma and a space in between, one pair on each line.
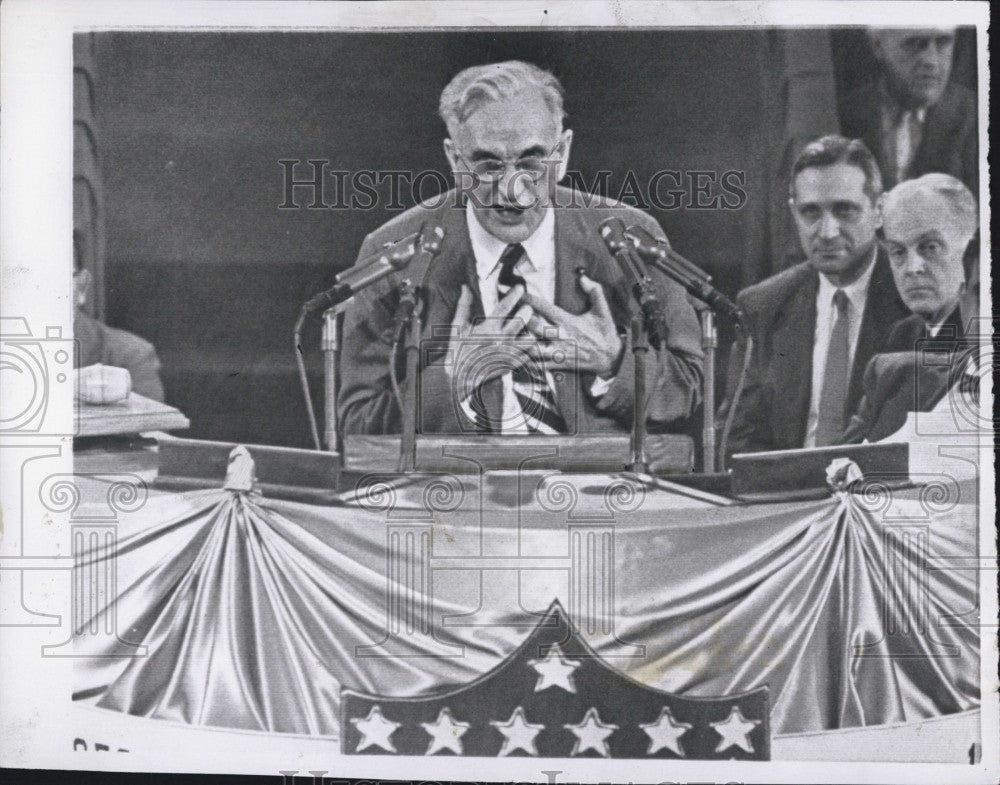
833, 397
531, 387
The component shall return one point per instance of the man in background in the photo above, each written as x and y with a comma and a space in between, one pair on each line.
928, 223
815, 326
103, 345
912, 117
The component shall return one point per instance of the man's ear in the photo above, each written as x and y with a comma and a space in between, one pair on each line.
875, 42
82, 282
566, 143
879, 211
451, 154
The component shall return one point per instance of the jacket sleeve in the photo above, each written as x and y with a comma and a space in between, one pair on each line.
862, 420
126, 350
366, 403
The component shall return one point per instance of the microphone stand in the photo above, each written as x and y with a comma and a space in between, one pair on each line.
409, 304
392, 257
709, 343
642, 289
698, 284
640, 348
331, 362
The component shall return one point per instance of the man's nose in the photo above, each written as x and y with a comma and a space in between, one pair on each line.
829, 227
914, 263
929, 58
515, 187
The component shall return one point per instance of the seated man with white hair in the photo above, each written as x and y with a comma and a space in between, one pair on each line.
927, 224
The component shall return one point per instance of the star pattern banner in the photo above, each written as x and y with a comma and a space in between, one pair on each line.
238, 611
554, 697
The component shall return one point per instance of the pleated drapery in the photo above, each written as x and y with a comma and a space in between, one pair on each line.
254, 613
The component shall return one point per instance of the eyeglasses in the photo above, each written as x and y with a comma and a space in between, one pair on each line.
491, 170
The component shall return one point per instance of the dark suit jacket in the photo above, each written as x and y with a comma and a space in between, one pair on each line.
950, 140
907, 333
780, 313
895, 384
105, 345
366, 403
902, 380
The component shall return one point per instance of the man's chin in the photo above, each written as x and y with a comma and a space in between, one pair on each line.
831, 264
927, 93
923, 304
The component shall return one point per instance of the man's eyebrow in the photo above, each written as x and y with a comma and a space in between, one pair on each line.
534, 152
480, 155
930, 234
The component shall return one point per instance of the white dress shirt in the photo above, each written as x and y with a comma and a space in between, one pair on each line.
903, 129
826, 316
538, 269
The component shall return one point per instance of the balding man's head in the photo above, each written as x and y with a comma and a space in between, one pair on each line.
927, 224
916, 62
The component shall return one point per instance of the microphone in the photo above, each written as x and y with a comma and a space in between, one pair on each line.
612, 231
428, 246
393, 256
695, 280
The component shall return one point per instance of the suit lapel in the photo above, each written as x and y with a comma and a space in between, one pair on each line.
578, 244
456, 265
795, 324
938, 140
882, 309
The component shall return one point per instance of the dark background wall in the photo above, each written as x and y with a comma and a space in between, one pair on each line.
191, 127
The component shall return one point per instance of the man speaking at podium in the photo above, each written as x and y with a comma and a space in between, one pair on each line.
527, 306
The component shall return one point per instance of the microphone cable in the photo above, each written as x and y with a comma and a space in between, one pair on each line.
737, 392
303, 377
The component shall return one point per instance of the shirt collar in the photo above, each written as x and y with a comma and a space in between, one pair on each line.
539, 247
893, 111
857, 292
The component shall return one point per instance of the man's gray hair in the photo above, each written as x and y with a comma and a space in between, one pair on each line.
475, 86
951, 189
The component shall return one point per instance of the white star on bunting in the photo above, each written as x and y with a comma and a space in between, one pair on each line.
735, 730
591, 733
665, 732
554, 670
375, 730
519, 734
445, 732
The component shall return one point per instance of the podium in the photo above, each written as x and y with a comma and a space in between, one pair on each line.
786, 475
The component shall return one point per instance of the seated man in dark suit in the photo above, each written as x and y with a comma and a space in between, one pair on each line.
103, 345
911, 116
515, 245
928, 223
816, 325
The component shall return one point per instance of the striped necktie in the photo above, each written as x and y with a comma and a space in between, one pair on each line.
531, 387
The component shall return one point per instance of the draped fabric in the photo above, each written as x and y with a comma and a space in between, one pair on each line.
855, 610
